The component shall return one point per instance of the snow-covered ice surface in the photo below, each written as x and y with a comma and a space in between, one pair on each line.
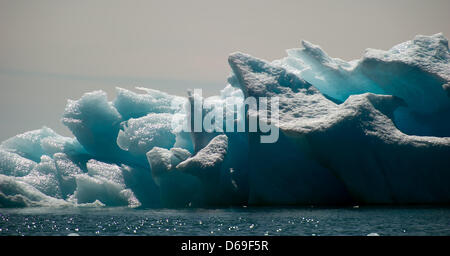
368, 131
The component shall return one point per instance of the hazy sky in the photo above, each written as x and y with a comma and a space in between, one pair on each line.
54, 50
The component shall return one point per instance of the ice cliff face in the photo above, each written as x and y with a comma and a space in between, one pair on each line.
370, 131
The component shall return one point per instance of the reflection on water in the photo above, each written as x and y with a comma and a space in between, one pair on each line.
233, 221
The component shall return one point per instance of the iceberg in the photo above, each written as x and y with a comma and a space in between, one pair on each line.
369, 131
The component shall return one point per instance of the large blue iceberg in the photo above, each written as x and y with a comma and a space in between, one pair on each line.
369, 131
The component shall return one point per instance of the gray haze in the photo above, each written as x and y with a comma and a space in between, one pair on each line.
54, 50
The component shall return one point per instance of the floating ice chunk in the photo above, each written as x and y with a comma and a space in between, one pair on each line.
342, 138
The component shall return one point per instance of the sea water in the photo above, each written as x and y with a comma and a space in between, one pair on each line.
305, 221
